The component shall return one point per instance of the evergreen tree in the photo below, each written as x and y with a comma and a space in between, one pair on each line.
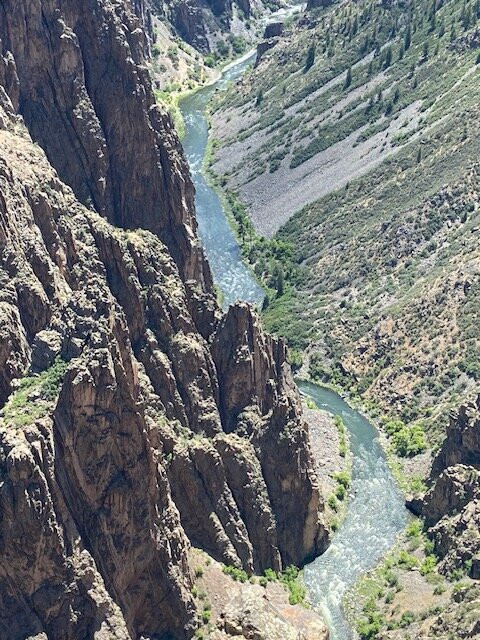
388, 58
408, 37
280, 284
467, 18
310, 57
348, 79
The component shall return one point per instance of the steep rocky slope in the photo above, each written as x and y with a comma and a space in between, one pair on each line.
204, 25
451, 511
451, 507
136, 419
359, 133
86, 97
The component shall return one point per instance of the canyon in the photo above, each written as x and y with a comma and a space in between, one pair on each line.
162, 476
137, 419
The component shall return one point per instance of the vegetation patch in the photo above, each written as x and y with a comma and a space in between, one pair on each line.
35, 396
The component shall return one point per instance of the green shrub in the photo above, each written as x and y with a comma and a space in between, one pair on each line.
333, 503
391, 578
291, 577
343, 478
21, 410
239, 575
407, 619
270, 575
406, 560
428, 565
407, 440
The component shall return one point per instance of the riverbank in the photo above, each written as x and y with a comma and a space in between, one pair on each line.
375, 518
330, 444
411, 472
172, 100
230, 273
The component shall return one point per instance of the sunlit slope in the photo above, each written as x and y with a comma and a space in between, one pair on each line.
379, 137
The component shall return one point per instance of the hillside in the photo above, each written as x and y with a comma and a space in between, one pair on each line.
356, 140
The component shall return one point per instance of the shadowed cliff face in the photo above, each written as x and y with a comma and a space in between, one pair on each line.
86, 98
143, 420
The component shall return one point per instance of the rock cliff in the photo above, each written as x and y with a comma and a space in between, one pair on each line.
136, 418
451, 507
201, 23
86, 97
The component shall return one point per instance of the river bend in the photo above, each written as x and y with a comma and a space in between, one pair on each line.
376, 513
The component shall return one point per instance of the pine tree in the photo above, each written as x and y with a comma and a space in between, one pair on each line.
441, 30
310, 57
408, 37
280, 284
388, 58
348, 79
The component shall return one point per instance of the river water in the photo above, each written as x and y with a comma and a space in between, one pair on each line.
376, 513
229, 272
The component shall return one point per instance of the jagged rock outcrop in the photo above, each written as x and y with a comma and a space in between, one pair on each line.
188, 19
252, 615
198, 22
271, 37
462, 444
147, 421
451, 507
86, 98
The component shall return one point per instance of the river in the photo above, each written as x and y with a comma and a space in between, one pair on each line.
229, 272
376, 513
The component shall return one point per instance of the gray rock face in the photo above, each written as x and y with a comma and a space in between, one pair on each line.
148, 420
188, 19
86, 98
462, 445
252, 615
451, 507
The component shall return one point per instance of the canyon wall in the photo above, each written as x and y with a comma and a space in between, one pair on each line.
451, 507
137, 420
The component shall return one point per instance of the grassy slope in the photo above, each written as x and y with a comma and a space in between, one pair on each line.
387, 284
